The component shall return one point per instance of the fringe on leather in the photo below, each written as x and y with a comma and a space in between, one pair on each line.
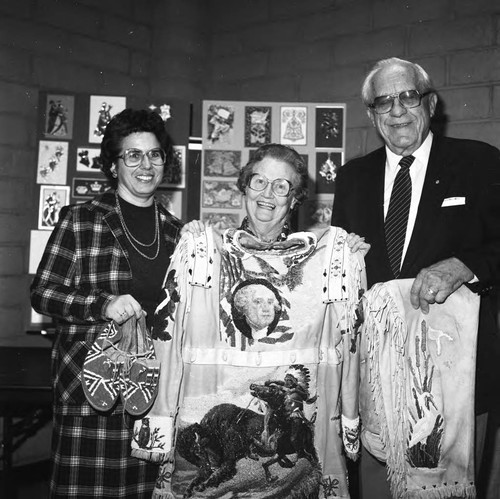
448, 492
375, 321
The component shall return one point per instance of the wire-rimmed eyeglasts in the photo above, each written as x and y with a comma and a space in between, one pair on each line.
408, 99
280, 186
133, 157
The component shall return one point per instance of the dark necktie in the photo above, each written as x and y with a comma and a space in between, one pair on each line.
396, 220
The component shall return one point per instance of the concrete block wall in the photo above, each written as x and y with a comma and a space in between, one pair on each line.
320, 50
147, 49
87, 46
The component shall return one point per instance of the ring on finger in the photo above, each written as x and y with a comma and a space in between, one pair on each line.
431, 291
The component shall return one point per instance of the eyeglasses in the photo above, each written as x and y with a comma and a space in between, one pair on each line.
134, 157
280, 186
408, 99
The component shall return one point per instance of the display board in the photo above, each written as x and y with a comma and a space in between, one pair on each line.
232, 130
67, 171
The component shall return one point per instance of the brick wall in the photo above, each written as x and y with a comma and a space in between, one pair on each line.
315, 50
86, 46
320, 50
294, 50
146, 49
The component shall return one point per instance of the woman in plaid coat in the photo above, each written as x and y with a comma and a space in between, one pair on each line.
100, 264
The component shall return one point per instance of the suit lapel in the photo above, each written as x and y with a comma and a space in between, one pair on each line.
436, 183
375, 200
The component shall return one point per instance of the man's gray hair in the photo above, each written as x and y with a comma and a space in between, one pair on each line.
423, 80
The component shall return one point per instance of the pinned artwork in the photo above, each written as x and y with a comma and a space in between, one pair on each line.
222, 163
88, 159
175, 174
102, 109
257, 126
163, 111
89, 187
329, 127
293, 122
171, 200
52, 162
327, 165
220, 194
59, 116
220, 125
52, 199
221, 220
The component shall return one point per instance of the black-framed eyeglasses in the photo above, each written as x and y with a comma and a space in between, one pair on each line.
408, 99
133, 157
280, 186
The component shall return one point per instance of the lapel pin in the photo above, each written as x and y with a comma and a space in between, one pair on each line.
437, 181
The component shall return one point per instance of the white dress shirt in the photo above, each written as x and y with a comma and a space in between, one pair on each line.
417, 174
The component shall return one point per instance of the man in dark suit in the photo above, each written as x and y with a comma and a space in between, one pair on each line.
451, 219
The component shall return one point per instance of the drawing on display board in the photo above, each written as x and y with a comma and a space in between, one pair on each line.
89, 187
102, 109
52, 199
329, 127
59, 116
88, 159
221, 220
171, 200
257, 126
52, 162
293, 125
222, 163
175, 174
327, 165
220, 124
220, 194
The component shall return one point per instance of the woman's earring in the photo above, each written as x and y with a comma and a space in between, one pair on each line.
113, 172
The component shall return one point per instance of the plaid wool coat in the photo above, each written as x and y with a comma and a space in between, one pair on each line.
84, 264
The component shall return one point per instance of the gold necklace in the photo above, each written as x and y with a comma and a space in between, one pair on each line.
131, 237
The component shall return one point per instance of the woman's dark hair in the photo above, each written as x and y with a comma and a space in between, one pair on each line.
283, 153
122, 125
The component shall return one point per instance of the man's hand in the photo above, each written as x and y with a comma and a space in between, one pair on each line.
196, 227
435, 283
357, 243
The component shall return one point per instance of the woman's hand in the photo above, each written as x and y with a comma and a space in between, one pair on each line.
122, 307
196, 227
357, 243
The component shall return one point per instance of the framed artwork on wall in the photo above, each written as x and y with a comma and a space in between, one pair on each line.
221, 163
102, 109
327, 166
59, 116
52, 162
175, 175
293, 123
52, 199
221, 194
171, 200
220, 125
88, 159
257, 125
221, 220
89, 187
329, 127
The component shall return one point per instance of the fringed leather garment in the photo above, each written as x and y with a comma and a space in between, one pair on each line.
259, 379
417, 390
